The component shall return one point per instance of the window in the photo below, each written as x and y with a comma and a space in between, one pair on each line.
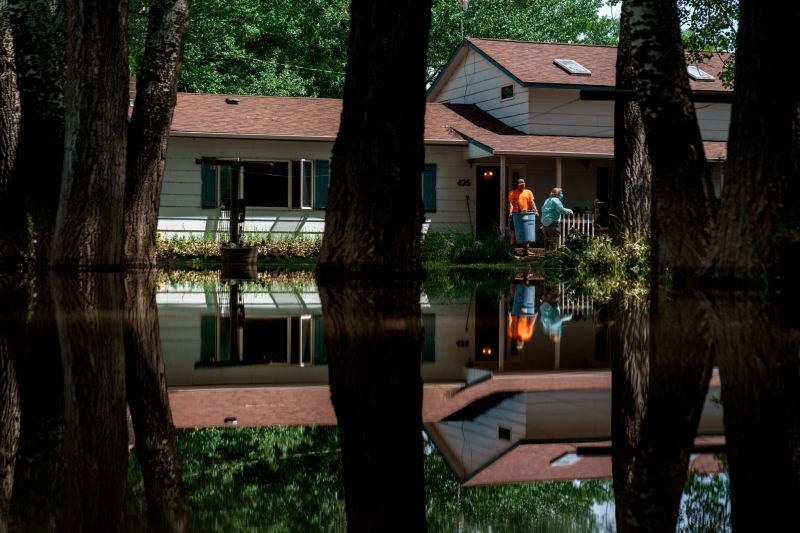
696, 73
573, 67
295, 184
506, 92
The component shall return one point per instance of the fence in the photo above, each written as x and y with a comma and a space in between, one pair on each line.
582, 224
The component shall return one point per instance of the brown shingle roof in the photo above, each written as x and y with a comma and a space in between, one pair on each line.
532, 63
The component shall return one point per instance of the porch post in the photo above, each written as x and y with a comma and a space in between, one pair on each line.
503, 201
558, 172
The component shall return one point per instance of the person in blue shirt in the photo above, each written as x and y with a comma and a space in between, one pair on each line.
552, 209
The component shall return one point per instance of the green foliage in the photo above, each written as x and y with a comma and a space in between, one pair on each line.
299, 246
599, 269
706, 504
462, 248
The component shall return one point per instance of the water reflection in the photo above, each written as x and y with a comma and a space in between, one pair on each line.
527, 395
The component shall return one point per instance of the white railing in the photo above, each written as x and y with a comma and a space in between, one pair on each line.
574, 304
583, 224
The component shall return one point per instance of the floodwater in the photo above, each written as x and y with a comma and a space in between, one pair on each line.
457, 405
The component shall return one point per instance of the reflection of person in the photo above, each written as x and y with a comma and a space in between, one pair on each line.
520, 329
520, 200
550, 311
552, 209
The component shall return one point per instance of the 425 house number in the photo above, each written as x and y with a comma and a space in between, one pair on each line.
464, 182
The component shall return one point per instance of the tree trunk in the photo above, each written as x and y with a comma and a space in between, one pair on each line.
374, 216
630, 200
149, 405
12, 296
682, 199
9, 135
760, 204
38, 32
659, 394
37, 498
760, 373
373, 335
89, 220
149, 128
89, 317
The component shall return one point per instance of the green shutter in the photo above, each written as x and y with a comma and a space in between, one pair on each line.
429, 338
208, 338
208, 178
321, 175
429, 188
320, 353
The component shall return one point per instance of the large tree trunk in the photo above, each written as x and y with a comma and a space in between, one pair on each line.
373, 335
630, 199
683, 212
374, 217
89, 317
89, 220
760, 204
12, 298
9, 134
38, 495
38, 33
147, 135
659, 394
760, 373
149, 405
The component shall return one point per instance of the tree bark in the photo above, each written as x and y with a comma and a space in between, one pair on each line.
38, 32
89, 220
9, 135
760, 204
659, 397
374, 216
156, 88
89, 318
760, 373
630, 200
148, 400
682, 199
12, 296
373, 334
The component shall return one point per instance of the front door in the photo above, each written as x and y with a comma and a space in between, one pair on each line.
487, 203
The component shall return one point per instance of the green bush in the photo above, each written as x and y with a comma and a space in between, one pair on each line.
462, 248
300, 246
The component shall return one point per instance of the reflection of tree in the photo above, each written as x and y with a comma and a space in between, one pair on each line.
149, 405
89, 317
373, 335
11, 296
758, 345
705, 505
660, 382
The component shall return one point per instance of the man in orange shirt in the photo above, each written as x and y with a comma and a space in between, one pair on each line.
519, 200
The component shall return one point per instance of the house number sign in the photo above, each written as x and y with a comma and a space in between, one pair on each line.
464, 182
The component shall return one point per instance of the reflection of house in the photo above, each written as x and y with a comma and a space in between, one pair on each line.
499, 110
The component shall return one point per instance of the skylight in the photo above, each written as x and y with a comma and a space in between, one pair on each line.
696, 73
573, 67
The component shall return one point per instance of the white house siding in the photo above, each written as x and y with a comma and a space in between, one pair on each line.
714, 120
451, 198
562, 112
477, 81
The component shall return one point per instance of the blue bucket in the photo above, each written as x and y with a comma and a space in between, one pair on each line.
524, 227
524, 300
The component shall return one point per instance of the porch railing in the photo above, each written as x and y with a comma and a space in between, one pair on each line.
583, 224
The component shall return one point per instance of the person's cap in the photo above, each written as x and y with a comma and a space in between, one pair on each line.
522, 181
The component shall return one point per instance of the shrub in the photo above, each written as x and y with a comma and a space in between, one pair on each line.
462, 248
300, 247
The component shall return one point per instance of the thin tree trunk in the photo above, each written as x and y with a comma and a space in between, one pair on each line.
9, 135
760, 204
148, 400
89, 317
660, 400
760, 373
37, 498
149, 128
373, 335
683, 205
374, 216
38, 33
89, 220
630, 201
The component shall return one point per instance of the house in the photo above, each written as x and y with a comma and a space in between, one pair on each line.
498, 111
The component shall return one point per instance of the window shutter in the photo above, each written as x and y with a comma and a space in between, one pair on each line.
208, 179
321, 175
208, 338
429, 188
429, 338
320, 352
